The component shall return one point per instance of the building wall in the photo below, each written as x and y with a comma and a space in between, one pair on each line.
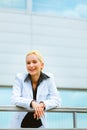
62, 42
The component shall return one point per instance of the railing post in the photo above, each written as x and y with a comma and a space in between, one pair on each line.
74, 120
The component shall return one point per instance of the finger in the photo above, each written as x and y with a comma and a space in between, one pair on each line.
40, 112
35, 116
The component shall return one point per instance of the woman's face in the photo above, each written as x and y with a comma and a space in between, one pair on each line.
33, 64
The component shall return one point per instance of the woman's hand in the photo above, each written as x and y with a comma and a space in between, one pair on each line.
39, 109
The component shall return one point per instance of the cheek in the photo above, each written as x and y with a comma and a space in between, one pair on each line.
41, 67
27, 66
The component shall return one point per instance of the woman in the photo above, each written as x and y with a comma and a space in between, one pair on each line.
36, 90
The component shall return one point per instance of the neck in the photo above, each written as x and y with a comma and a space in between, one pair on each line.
35, 78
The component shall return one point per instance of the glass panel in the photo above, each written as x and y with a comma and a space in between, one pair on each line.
73, 98
20, 4
82, 120
6, 119
5, 95
69, 8
59, 120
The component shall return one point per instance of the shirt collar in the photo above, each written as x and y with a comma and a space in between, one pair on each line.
43, 76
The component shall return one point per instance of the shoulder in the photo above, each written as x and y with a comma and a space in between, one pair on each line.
51, 80
21, 75
50, 75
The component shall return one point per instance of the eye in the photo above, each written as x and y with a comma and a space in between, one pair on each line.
28, 63
34, 61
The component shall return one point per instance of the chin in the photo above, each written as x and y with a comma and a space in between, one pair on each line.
32, 73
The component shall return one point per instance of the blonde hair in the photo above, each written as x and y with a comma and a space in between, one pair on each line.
37, 53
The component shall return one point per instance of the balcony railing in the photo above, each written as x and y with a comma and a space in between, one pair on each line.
74, 111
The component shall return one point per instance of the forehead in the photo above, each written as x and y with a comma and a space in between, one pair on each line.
32, 57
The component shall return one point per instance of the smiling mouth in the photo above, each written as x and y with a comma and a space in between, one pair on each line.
32, 70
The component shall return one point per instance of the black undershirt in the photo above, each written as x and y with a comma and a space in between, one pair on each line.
29, 121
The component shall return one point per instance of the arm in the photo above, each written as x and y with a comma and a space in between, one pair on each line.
17, 98
53, 98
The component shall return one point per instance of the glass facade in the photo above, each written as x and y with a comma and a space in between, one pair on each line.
68, 8
13, 4
73, 98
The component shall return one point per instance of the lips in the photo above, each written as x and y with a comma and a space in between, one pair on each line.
32, 70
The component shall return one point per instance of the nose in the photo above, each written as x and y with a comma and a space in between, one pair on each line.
31, 64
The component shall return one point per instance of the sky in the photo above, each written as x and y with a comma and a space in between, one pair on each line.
71, 8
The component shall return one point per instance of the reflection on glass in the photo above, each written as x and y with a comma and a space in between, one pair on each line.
82, 120
59, 120
20, 4
68, 8
73, 98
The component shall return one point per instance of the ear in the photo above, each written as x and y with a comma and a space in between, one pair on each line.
42, 66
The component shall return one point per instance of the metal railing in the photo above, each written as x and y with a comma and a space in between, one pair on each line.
73, 110
47, 129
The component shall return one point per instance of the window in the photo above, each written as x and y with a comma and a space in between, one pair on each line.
13, 4
68, 8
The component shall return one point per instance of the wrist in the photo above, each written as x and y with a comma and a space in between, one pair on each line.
32, 102
43, 105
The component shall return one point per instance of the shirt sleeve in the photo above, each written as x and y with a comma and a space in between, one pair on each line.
53, 98
17, 98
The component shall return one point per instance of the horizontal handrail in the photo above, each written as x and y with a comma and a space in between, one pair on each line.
59, 88
57, 109
45, 129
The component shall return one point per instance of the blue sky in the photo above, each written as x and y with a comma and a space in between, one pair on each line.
71, 8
